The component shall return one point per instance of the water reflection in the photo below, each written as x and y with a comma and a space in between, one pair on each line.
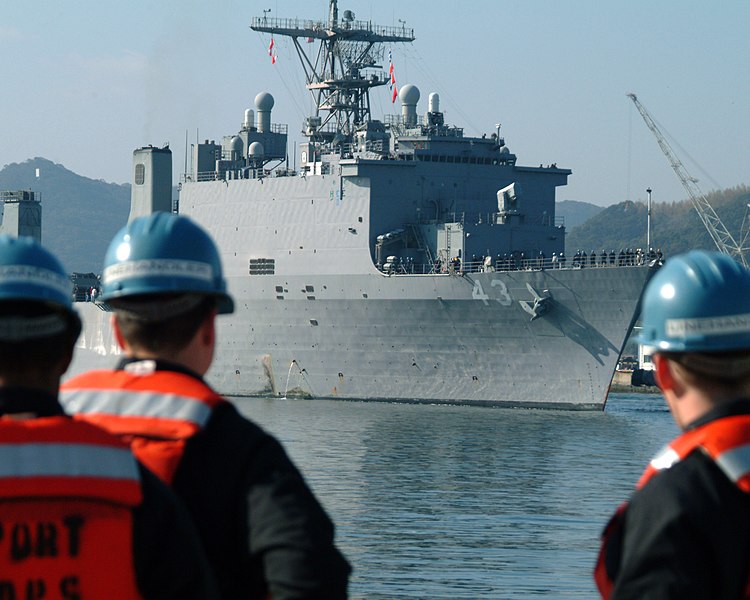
465, 502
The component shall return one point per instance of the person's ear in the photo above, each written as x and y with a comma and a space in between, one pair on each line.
121, 342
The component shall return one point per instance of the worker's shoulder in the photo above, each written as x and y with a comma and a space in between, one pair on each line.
692, 485
237, 447
229, 432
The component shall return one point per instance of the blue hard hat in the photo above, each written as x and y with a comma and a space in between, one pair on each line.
164, 253
32, 276
697, 302
30, 272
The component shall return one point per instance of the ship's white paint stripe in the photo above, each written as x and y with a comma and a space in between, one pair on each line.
67, 460
708, 326
135, 404
736, 462
158, 268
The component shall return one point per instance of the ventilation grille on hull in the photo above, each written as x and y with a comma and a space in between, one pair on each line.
262, 266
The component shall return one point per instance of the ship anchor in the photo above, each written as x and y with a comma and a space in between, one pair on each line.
540, 305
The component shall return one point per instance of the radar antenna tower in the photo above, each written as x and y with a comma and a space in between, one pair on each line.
336, 73
714, 225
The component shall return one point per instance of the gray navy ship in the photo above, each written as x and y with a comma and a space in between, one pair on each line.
402, 261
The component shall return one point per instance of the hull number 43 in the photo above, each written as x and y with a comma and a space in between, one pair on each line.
504, 298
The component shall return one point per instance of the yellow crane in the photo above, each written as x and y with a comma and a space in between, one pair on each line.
715, 227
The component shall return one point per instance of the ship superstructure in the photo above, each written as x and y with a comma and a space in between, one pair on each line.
403, 261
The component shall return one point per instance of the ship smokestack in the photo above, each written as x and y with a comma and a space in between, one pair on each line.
263, 104
409, 96
152, 181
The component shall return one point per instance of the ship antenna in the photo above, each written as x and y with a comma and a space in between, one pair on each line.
342, 72
185, 172
333, 12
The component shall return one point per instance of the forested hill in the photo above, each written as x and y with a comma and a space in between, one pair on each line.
80, 216
574, 213
675, 227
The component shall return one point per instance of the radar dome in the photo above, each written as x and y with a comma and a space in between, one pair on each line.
409, 94
256, 149
237, 144
264, 101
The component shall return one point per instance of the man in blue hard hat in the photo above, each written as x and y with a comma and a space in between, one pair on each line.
263, 529
685, 533
79, 517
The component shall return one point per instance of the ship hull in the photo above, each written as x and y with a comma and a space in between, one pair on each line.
453, 338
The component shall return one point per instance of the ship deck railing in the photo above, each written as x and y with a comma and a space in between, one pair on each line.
378, 147
318, 29
229, 174
516, 263
13, 197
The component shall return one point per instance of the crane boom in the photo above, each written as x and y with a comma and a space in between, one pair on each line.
715, 227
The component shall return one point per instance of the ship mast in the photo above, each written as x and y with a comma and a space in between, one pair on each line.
342, 71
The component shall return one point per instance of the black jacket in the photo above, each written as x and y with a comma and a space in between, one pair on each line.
686, 533
262, 528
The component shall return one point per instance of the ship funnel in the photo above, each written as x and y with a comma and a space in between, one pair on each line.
409, 96
22, 214
249, 118
151, 190
434, 103
263, 104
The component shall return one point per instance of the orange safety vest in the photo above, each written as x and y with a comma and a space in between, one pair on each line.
726, 441
67, 492
156, 413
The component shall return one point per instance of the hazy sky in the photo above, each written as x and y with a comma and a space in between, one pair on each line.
86, 82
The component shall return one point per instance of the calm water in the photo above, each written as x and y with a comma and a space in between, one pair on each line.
466, 502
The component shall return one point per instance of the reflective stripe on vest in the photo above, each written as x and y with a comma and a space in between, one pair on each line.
66, 460
736, 464
726, 441
127, 403
108, 471
161, 403
60, 455
156, 412
67, 492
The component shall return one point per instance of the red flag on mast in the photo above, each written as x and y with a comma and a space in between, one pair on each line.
392, 84
272, 51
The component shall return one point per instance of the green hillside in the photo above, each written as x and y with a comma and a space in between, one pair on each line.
675, 227
574, 213
79, 215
